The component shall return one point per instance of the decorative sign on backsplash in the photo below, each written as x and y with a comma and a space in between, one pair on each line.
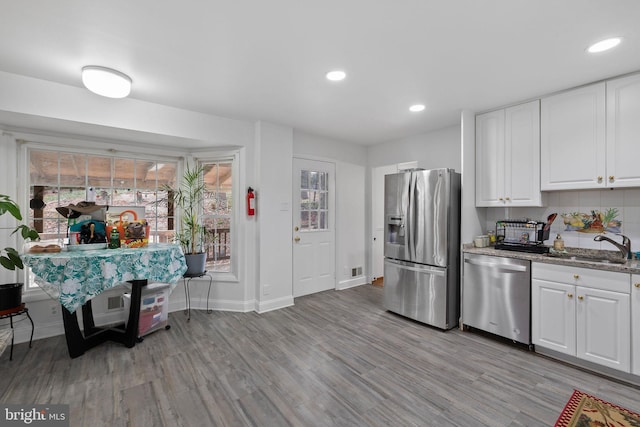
595, 222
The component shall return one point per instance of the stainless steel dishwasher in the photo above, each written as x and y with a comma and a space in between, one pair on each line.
496, 296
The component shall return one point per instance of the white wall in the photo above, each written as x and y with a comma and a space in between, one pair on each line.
8, 187
74, 105
437, 149
350, 161
274, 153
433, 150
472, 218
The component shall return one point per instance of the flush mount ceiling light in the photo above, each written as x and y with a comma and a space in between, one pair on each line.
416, 108
106, 82
603, 45
336, 75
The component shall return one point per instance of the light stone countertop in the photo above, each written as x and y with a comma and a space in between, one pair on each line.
630, 266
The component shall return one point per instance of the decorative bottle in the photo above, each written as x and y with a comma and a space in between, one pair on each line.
558, 244
114, 239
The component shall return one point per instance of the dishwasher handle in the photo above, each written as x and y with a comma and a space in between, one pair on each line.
515, 268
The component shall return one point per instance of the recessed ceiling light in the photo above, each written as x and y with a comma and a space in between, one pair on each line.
106, 82
603, 45
336, 75
416, 108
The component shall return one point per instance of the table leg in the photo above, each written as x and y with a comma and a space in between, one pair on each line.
77, 343
131, 333
187, 296
13, 334
32, 329
75, 339
209, 292
87, 318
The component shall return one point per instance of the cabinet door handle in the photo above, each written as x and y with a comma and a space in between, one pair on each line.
580, 297
611, 178
576, 276
508, 199
500, 198
599, 179
637, 285
569, 296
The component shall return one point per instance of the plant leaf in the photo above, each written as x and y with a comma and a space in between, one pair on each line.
6, 263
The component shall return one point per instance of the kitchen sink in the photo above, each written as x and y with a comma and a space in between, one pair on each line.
598, 260
587, 258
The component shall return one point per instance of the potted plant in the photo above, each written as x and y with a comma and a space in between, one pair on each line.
188, 198
11, 293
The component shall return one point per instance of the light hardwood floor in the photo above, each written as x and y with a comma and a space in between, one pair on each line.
335, 358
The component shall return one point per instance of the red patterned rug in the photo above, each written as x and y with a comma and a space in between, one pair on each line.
584, 410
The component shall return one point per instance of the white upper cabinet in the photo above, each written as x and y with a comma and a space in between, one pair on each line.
572, 145
490, 159
590, 136
508, 156
623, 131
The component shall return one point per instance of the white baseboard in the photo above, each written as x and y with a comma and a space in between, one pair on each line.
23, 332
274, 304
214, 304
351, 283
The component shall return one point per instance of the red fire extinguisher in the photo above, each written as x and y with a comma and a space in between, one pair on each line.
251, 202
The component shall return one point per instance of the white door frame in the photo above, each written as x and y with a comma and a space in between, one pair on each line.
324, 243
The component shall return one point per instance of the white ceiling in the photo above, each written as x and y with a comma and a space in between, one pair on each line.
266, 60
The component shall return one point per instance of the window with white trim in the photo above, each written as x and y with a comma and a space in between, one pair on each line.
217, 213
60, 178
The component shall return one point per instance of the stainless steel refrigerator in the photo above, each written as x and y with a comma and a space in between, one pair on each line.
422, 246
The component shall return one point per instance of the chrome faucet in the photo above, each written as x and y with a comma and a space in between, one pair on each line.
624, 248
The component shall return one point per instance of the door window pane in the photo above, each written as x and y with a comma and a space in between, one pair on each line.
314, 207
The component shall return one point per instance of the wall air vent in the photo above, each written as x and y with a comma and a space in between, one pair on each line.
356, 271
114, 303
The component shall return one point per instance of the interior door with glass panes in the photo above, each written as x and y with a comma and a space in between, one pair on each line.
313, 226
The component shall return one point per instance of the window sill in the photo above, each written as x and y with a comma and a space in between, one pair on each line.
223, 277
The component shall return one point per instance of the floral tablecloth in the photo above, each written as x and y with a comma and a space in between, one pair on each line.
74, 277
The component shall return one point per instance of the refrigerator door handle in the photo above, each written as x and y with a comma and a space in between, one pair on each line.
421, 269
500, 267
411, 218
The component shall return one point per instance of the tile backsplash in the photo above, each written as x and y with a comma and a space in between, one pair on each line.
625, 201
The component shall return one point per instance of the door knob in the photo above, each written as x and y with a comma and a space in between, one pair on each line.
296, 228
297, 239
580, 297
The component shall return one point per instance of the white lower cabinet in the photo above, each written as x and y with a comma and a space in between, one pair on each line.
583, 313
635, 324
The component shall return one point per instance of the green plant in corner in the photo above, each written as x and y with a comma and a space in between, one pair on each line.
9, 257
188, 198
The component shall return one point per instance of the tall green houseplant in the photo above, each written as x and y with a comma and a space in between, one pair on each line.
187, 199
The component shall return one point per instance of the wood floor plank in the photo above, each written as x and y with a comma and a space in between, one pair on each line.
336, 358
